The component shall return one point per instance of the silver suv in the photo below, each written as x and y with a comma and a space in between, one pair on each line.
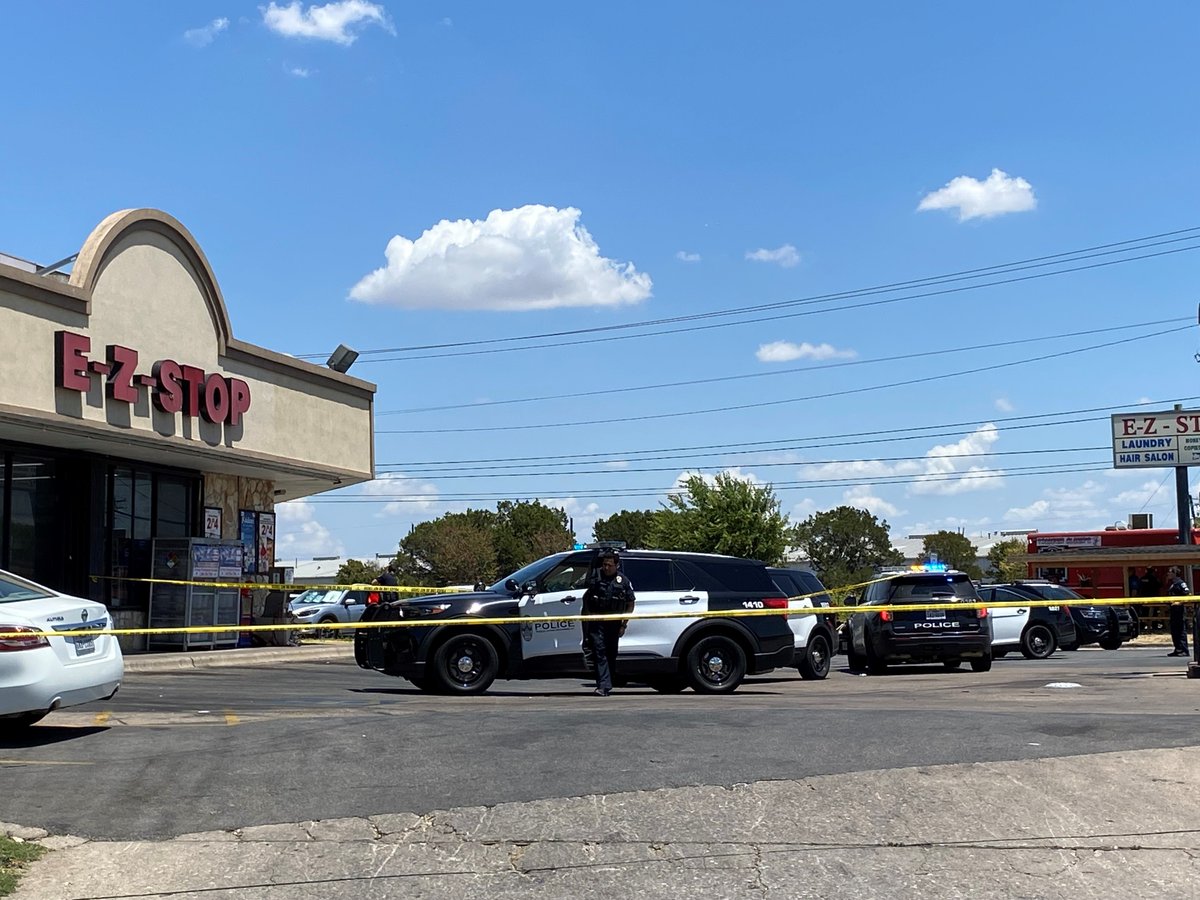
327, 606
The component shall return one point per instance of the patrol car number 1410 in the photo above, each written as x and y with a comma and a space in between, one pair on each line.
449, 653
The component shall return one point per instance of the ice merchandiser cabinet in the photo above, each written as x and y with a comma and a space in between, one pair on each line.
195, 605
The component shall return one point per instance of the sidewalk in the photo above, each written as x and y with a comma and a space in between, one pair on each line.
322, 651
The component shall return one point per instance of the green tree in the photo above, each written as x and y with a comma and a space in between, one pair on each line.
527, 530
629, 525
355, 571
456, 548
1004, 558
845, 545
728, 515
953, 549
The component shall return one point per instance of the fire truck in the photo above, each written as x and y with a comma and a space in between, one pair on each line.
1116, 562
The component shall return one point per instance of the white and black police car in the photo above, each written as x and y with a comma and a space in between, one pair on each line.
448, 653
938, 633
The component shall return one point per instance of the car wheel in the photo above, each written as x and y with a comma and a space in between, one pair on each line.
875, 664
983, 664
325, 632
999, 654
814, 663
1111, 643
14, 725
671, 685
1038, 642
465, 664
716, 664
952, 664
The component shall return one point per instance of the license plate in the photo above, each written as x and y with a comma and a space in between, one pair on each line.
935, 614
84, 646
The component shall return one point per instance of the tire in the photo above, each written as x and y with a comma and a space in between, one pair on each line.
952, 664
815, 658
669, 685
465, 663
999, 654
1111, 643
875, 665
716, 664
1038, 641
983, 664
325, 632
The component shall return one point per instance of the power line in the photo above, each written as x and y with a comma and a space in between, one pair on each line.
777, 372
769, 403
611, 493
1016, 265
487, 472
919, 432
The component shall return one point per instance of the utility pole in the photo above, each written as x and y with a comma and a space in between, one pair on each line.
1183, 499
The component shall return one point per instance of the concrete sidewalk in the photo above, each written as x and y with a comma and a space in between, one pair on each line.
1108, 825
322, 651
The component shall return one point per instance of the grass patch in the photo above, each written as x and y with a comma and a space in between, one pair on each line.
14, 855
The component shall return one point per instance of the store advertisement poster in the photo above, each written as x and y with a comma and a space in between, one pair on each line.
232, 560
206, 562
266, 543
212, 521
248, 532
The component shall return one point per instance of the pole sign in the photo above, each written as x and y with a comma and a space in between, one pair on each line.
1156, 439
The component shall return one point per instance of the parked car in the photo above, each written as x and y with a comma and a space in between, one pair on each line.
1037, 631
815, 634
1108, 626
877, 638
327, 606
40, 674
449, 653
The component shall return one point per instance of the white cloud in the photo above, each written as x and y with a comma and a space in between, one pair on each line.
617, 464
998, 195
786, 351
711, 477
1035, 510
930, 473
862, 498
685, 256
202, 37
785, 256
1080, 506
398, 483
1139, 497
300, 535
297, 71
448, 22
331, 22
532, 257
1004, 404
583, 516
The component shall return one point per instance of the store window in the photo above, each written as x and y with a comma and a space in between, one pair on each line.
34, 526
142, 506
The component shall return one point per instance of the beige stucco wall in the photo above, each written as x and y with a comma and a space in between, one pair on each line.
146, 290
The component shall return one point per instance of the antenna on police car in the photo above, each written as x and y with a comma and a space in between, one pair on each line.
342, 359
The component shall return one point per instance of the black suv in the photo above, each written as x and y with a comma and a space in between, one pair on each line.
1108, 626
447, 652
941, 633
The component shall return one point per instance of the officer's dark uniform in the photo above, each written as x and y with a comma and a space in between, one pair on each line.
611, 596
1178, 588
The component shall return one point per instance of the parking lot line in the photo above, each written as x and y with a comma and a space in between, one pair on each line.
231, 717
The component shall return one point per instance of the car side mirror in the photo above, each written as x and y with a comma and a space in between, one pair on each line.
850, 600
511, 585
530, 588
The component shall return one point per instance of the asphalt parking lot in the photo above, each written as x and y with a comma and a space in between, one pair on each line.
226, 748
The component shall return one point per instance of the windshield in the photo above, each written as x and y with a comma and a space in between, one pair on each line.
316, 597
13, 589
529, 572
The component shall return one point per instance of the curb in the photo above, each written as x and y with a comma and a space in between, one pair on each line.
249, 656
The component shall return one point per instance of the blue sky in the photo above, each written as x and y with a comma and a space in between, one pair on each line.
542, 167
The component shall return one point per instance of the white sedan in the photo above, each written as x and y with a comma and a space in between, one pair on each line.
40, 674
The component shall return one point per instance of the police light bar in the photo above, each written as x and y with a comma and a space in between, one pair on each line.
606, 545
929, 567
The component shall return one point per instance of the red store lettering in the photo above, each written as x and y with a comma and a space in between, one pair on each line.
173, 387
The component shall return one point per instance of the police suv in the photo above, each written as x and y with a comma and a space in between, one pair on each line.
814, 633
878, 637
449, 653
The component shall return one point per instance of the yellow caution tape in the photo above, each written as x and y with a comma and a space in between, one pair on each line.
431, 622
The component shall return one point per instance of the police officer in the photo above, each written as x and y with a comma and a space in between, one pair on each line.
610, 594
1177, 587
